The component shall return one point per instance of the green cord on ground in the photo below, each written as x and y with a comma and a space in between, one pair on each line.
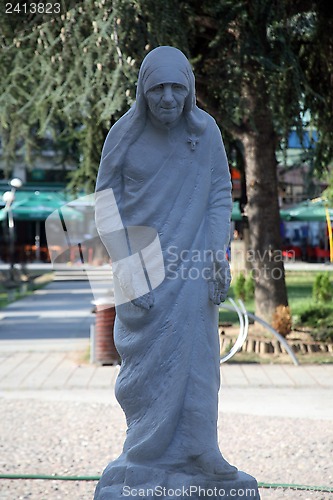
323, 489
326, 489
49, 478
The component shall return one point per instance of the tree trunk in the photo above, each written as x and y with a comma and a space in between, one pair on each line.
262, 207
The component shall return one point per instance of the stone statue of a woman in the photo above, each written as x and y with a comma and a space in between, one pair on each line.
165, 164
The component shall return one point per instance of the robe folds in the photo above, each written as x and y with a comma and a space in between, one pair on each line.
168, 384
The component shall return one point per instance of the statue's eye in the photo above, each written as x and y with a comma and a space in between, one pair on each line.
157, 87
178, 86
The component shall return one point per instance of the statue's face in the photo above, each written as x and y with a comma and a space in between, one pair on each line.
166, 102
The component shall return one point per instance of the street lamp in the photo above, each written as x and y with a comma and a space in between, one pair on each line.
8, 197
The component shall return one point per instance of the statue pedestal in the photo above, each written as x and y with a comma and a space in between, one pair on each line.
137, 481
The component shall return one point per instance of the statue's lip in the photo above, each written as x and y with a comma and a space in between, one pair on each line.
168, 109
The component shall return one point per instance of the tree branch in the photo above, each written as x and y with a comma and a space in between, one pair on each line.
213, 109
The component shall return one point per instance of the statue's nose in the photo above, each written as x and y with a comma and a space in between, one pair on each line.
167, 95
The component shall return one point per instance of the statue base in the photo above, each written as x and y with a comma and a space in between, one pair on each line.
137, 481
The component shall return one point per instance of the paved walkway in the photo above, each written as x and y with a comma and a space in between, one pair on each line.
62, 310
34, 368
43, 338
284, 391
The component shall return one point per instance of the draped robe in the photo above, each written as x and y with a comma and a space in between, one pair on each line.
169, 377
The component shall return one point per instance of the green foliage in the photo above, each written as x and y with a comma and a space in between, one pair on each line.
328, 193
244, 287
239, 286
316, 59
322, 288
320, 318
249, 287
79, 68
243, 43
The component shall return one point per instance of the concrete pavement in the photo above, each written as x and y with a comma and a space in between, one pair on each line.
43, 338
62, 310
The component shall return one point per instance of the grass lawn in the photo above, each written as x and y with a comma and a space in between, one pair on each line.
299, 287
3, 299
15, 294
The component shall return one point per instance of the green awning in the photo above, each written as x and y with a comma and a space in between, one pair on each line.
310, 210
3, 214
236, 214
38, 205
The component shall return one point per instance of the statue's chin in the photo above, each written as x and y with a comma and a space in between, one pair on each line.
165, 119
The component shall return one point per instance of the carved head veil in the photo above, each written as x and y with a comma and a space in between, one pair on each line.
162, 65
169, 65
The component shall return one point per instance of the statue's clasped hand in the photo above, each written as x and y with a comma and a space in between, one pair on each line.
145, 301
219, 283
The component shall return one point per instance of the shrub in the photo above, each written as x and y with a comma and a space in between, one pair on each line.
244, 287
316, 316
323, 334
322, 290
239, 287
321, 319
249, 287
281, 321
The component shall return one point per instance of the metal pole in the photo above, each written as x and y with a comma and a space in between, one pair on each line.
11, 235
9, 197
37, 241
277, 335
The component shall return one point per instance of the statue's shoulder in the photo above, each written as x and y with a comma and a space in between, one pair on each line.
213, 131
204, 124
117, 130
211, 124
